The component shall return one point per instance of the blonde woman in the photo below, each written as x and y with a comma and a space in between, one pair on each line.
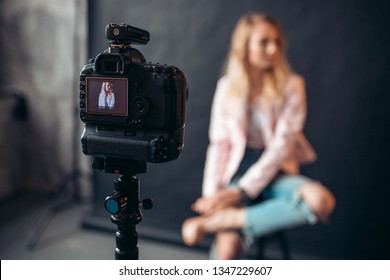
256, 147
107, 96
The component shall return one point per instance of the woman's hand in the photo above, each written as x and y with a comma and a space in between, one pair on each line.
222, 199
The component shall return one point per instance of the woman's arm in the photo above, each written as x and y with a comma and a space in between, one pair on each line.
219, 147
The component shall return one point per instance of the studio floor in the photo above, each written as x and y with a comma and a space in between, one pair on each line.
65, 238
67, 235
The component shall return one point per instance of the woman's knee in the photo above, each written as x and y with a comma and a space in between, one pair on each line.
320, 200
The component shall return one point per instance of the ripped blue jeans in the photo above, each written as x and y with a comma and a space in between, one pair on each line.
279, 206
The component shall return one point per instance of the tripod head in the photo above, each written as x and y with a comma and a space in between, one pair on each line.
124, 204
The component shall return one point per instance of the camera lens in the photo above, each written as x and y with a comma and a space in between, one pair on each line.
140, 106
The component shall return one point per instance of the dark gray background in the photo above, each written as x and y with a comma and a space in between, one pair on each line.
340, 47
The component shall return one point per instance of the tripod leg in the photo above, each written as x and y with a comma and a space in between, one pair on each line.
51, 210
40, 228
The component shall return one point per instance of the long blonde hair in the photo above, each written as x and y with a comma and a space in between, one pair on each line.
237, 65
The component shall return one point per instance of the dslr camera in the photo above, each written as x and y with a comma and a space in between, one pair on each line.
131, 109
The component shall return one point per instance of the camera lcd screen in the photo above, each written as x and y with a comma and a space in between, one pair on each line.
106, 96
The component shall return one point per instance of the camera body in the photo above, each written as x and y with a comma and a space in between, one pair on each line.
131, 109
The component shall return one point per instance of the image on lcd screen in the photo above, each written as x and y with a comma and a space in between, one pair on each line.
107, 96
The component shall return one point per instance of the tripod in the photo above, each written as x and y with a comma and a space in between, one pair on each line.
124, 204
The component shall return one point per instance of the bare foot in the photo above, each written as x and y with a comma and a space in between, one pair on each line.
192, 231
